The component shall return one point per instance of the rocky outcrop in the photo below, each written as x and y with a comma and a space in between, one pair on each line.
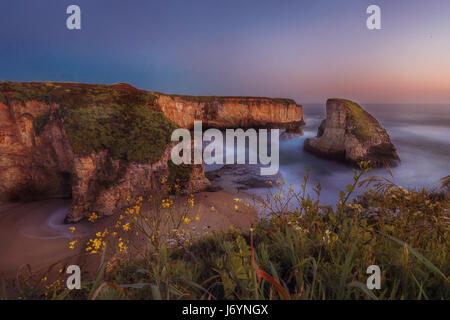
38, 166
232, 112
241, 177
103, 184
32, 167
351, 134
89, 142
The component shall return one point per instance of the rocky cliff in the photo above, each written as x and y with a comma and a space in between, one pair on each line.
351, 134
101, 144
231, 112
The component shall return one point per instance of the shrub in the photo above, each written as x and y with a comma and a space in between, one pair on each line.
304, 250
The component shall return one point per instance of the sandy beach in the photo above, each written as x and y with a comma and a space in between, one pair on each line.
33, 234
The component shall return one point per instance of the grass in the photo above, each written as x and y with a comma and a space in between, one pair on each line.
119, 118
304, 250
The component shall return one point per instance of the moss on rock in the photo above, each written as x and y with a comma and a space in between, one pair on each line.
178, 173
120, 118
359, 119
40, 122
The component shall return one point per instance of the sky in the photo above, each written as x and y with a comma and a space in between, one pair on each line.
305, 50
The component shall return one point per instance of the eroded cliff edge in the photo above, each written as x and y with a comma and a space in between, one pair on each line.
231, 112
101, 144
350, 134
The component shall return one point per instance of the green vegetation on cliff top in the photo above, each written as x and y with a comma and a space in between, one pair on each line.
363, 126
222, 99
119, 118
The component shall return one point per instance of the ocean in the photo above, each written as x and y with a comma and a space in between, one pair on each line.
421, 134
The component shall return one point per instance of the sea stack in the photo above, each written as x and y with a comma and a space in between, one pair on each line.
350, 134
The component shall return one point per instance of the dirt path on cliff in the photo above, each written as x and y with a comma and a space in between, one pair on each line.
33, 234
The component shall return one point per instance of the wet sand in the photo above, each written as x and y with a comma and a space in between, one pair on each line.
34, 233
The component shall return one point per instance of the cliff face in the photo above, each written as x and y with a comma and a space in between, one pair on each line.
351, 134
231, 112
32, 166
86, 143
100, 145
36, 166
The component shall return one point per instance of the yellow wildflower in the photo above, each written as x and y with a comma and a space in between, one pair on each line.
72, 244
166, 203
93, 217
122, 247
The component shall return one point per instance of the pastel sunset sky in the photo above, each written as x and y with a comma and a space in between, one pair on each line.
306, 50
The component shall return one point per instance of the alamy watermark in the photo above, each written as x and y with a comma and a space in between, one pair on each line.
374, 281
374, 20
235, 140
73, 22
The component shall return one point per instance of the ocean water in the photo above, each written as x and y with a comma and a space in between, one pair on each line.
421, 134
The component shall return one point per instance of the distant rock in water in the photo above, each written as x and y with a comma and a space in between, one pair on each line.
351, 134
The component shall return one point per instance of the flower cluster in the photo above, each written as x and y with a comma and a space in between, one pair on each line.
97, 244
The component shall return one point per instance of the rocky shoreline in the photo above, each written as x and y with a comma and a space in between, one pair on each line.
102, 144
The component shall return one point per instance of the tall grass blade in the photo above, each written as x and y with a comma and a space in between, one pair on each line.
419, 256
364, 288
155, 292
345, 271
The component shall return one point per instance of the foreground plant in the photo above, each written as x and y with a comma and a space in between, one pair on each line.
302, 250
